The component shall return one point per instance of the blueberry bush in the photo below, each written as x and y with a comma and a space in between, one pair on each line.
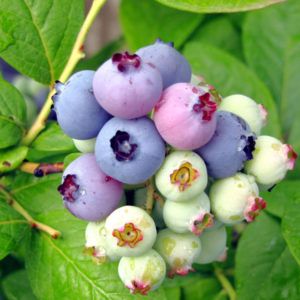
249, 47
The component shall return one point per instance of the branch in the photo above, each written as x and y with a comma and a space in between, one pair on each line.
41, 169
76, 55
32, 222
225, 284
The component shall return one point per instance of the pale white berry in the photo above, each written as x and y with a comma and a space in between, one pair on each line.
95, 236
130, 231
85, 146
182, 176
253, 113
190, 216
179, 250
143, 273
213, 244
271, 160
235, 198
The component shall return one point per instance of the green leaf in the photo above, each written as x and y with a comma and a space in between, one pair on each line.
61, 264
69, 158
51, 143
265, 268
281, 196
36, 37
37, 195
220, 32
206, 288
213, 6
12, 228
230, 76
275, 55
10, 159
145, 21
173, 293
104, 54
12, 114
16, 286
291, 225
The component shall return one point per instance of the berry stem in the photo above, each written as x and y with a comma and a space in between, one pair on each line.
32, 222
150, 196
76, 55
227, 286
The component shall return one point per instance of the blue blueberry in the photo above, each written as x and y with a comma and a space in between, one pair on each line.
230, 147
78, 113
172, 65
87, 192
130, 151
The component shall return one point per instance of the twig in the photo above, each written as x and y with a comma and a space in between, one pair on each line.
32, 222
76, 55
225, 284
42, 169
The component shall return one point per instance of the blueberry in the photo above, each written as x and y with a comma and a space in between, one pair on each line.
143, 273
185, 116
96, 245
191, 216
213, 244
78, 113
172, 65
231, 145
130, 151
127, 87
130, 231
271, 160
182, 176
234, 199
87, 192
179, 250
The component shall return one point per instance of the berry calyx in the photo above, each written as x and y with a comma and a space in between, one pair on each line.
126, 60
184, 176
203, 221
69, 188
291, 156
137, 287
255, 205
121, 146
206, 106
128, 235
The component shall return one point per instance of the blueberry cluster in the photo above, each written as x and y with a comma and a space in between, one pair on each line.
144, 118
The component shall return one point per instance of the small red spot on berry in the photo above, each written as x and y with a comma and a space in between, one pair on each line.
107, 178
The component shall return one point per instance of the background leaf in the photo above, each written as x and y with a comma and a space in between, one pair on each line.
291, 225
16, 286
210, 6
221, 33
12, 114
230, 76
145, 21
36, 37
12, 228
51, 145
265, 268
275, 56
281, 196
